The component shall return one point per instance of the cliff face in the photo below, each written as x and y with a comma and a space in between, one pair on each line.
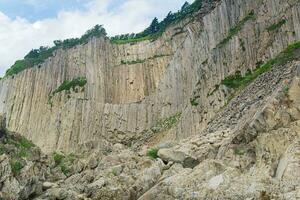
169, 88
213, 103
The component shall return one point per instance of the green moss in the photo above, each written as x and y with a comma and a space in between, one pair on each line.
276, 26
16, 167
233, 31
166, 124
238, 81
152, 153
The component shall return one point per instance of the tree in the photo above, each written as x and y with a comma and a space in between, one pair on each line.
58, 43
154, 26
185, 6
34, 53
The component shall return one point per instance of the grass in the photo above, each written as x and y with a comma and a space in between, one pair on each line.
238, 81
233, 31
166, 124
152, 153
276, 26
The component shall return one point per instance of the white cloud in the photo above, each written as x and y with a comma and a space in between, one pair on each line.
18, 36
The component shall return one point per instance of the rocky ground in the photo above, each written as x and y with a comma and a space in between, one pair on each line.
250, 151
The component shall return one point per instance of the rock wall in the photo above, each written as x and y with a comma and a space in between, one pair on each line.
134, 89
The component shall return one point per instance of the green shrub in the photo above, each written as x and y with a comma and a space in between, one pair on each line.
64, 161
68, 85
194, 101
276, 26
16, 167
152, 153
58, 158
26, 143
64, 169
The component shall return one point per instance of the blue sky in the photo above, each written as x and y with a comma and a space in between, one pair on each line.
28, 24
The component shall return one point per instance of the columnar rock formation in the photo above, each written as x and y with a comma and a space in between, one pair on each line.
131, 88
209, 140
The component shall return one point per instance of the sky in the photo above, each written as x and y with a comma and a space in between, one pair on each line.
29, 24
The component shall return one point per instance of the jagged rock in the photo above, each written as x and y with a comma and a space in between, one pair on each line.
92, 189
171, 155
5, 169
178, 156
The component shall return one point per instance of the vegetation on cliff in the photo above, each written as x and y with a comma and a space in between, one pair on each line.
156, 28
233, 31
18, 148
38, 56
238, 81
68, 85
276, 26
64, 162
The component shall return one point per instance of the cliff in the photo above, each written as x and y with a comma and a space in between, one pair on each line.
131, 88
216, 97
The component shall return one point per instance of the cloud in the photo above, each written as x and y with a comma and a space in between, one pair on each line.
18, 36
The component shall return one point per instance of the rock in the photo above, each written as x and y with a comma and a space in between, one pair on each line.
5, 169
145, 181
94, 187
214, 182
58, 193
93, 161
48, 185
171, 155
178, 156
116, 170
